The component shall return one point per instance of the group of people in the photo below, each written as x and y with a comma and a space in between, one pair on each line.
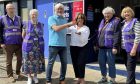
25, 40
58, 27
118, 36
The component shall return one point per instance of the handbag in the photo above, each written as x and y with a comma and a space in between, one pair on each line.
42, 59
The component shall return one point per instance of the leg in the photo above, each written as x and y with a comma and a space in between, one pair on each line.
81, 63
18, 53
131, 66
63, 59
29, 79
102, 62
35, 78
74, 56
53, 51
9, 57
111, 64
124, 55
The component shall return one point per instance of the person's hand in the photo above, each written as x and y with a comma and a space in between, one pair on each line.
133, 52
79, 33
3, 46
71, 23
96, 48
114, 51
74, 22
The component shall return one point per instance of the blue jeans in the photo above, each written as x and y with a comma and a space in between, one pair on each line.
106, 56
53, 52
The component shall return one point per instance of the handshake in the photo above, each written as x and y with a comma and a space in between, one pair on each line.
71, 23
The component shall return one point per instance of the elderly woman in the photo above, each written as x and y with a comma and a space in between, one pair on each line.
78, 47
33, 47
108, 34
130, 42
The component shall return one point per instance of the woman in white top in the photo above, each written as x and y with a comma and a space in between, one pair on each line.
78, 47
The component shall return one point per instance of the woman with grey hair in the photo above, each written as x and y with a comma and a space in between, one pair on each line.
108, 34
33, 47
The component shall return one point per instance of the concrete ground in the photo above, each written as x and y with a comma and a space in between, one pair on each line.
92, 73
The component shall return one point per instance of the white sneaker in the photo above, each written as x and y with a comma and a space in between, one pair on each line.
11, 79
35, 79
76, 79
48, 83
29, 81
16, 77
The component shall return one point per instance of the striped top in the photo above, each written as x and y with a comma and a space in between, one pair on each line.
137, 32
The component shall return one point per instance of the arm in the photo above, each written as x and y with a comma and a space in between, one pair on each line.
60, 27
117, 35
137, 32
52, 22
24, 28
1, 32
137, 38
23, 33
22, 24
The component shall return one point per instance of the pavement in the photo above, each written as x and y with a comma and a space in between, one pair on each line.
92, 74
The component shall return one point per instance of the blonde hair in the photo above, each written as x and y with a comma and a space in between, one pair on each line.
127, 9
33, 11
108, 9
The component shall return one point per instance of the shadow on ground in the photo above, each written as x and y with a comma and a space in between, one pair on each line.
68, 81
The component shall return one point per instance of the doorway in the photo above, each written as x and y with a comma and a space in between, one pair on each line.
137, 13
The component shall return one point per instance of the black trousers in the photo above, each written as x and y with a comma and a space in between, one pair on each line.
78, 55
130, 63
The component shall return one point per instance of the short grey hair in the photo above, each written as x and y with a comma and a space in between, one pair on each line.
9, 4
108, 9
59, 5
33, 11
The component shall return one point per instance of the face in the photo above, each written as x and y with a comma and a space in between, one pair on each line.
34, 16
10, 9
127, 15
80, 20
59, 11
108, 16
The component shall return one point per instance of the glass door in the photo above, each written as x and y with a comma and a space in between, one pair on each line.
2, 12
